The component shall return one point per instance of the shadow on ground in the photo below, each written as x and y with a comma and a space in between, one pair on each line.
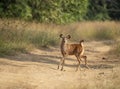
54, 60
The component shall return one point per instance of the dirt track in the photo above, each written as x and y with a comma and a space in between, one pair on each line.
38, 69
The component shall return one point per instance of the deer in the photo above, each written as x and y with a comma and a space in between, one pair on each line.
76, 49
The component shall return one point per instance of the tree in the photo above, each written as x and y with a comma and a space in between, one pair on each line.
113, 7
48, 11
97, 10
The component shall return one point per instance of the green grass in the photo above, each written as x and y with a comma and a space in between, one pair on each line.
20, 36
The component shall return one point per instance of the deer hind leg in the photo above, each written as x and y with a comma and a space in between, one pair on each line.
85, 58
78, 59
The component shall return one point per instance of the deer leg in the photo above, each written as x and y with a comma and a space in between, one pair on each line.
78, 59
85, 58
61, 60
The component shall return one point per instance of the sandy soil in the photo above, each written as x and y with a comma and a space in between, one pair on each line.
38, 69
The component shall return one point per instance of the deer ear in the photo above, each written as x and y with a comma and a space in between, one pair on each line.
61, 35
68, 36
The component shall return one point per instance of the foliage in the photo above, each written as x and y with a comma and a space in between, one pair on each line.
97, 10
60, 11
15, 8
103, 10
47, 11
113, 8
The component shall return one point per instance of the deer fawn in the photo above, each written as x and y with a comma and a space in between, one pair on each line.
71, 49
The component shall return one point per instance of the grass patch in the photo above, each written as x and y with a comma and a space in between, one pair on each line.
11, 48
44, 39
21, 40
16, 35
116, 49
94, 30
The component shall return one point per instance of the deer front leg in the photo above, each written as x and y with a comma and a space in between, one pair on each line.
61, 60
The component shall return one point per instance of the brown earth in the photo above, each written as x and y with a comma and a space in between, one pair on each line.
38, 69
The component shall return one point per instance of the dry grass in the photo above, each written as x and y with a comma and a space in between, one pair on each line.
17, 35
95, 30
116, 49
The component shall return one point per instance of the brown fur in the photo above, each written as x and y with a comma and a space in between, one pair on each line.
71, 49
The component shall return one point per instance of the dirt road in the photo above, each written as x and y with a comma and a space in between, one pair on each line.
38, 69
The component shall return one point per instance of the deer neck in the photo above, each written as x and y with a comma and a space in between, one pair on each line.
64, 46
